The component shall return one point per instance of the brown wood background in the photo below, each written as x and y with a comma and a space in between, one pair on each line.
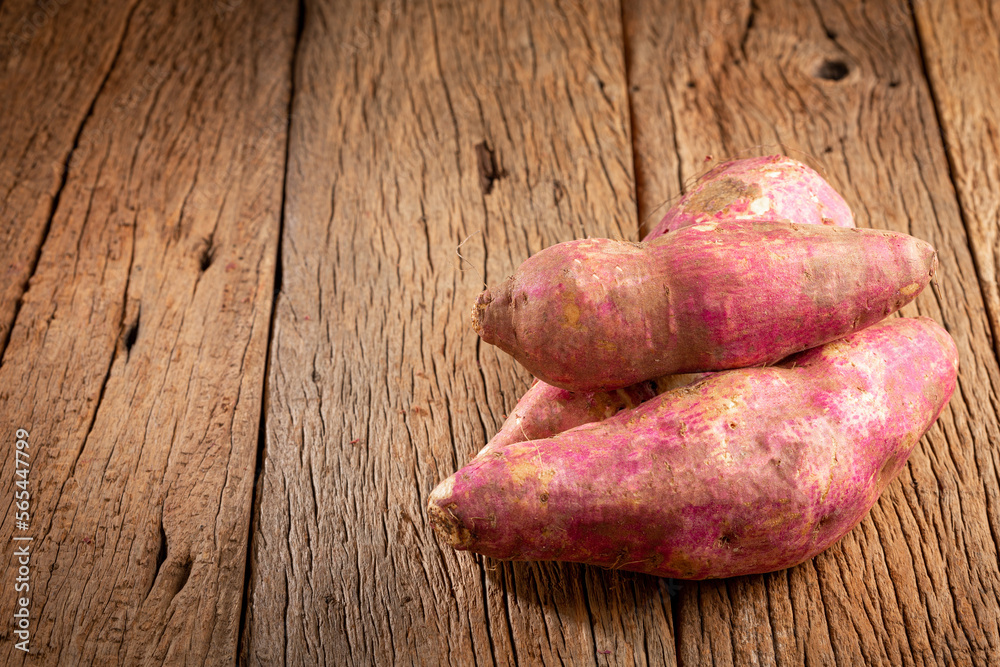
239, 242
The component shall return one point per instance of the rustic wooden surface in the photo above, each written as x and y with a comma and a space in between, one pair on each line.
960, 42
136, 359
235, 219
43, 113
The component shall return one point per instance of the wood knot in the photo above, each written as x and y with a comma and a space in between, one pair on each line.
832, 70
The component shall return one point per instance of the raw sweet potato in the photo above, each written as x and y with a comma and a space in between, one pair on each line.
761, 188
779, 186
545, 410
601, 314
747, 471
756, 188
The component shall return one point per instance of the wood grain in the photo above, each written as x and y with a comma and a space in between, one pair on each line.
422, 131
841, 86
136, 360
43, 111
960, 44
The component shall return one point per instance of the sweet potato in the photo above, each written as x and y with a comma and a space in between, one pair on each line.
763, 188
545, 410
747, 471
790, 190
601, 314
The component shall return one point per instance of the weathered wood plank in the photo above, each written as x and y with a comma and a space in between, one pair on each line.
137, 358
961, 49
42, 110
418, 128
841, 86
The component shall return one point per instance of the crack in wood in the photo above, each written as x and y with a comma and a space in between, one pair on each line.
131, 334
207, 254
964, 213
748, 26
246, 616
63, 176
486, 163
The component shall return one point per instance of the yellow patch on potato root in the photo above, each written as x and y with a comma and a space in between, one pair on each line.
523, 469
572, 314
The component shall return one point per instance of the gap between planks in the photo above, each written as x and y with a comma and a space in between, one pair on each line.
264, 395
963, 212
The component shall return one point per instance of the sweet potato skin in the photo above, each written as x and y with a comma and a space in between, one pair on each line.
545, 410
601, 314
763, 188
747, 471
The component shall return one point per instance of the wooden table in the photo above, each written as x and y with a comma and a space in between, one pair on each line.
240, 241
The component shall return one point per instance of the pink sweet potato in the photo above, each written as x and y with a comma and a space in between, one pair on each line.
545, 410
748, 471
779, 186
601, 314
763, 188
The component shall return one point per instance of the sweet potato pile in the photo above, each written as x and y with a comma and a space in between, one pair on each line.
799, 404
